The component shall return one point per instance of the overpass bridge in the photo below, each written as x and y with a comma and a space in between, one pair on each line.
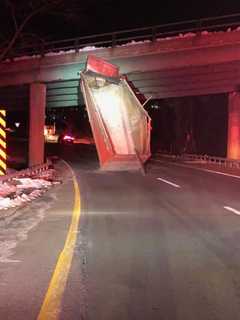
185, 62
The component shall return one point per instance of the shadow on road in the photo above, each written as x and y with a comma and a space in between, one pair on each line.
82, 155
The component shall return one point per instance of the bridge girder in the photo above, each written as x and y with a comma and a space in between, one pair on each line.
202, 64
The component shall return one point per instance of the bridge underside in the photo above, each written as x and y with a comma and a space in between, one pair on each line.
58, 94
157, 84
191, 81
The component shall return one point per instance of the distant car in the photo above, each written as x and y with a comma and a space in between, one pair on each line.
66, 139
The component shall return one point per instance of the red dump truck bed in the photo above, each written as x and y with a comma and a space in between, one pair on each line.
120, 125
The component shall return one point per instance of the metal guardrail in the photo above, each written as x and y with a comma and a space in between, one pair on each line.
112, 39
220, 161
29, 172
225, 162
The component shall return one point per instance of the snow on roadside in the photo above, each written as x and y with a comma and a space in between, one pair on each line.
18, 191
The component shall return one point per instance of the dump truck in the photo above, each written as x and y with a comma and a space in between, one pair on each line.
120, 124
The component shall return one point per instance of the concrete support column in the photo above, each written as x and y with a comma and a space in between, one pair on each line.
37, 121
233, 151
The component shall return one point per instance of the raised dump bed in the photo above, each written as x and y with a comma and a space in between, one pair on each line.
120, 125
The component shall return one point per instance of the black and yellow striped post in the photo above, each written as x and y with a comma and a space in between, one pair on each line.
3, 145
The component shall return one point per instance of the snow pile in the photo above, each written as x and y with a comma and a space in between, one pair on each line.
21, 190
26, 183
56, 53
133, 42
6, 189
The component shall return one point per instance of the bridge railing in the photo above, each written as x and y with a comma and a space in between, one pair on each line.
111, 39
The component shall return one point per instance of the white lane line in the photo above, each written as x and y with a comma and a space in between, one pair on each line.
169, 182
232, 210
202, 169
222, 173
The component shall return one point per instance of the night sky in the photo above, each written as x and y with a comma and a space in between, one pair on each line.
105, 16
78, 18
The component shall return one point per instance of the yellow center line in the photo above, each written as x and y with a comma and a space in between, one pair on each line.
51, 307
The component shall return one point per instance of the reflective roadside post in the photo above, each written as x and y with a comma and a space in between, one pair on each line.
3, 145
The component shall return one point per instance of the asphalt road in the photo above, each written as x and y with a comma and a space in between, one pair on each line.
161, 246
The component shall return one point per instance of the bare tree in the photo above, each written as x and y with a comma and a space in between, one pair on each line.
24, 21
21, 14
